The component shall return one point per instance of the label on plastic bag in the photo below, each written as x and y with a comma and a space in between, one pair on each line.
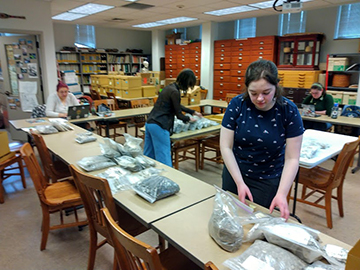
296, 237
252, 263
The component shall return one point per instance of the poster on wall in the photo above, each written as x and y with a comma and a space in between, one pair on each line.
32, 70
12, 69
28, 98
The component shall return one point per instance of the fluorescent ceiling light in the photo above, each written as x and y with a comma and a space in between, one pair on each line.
131, 0
148, 25
227, 11
90, 8
165, 22
266, 4
67, 16
177, 20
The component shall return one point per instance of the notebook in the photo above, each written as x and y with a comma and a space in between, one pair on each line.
78, 111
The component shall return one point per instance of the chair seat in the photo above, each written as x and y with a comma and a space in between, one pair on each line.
173, 259
60, 192
318, 176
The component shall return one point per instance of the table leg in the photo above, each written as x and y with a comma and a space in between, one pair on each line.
107, 131
295, 196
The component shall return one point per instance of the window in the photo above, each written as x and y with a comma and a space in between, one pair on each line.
348, 22
245, 28
85, 34
292, 23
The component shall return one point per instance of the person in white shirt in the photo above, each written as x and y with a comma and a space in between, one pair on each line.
57, 103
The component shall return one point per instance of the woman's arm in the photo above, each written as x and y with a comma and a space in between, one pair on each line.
226, 147
291, 166
50, 107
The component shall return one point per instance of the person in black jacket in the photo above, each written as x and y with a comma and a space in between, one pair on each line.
159, 125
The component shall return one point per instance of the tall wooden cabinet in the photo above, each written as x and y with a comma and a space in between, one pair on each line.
178, 57
233, 56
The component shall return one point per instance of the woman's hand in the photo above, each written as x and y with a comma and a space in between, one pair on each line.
281, 203
243, 191
198, 114
62, 114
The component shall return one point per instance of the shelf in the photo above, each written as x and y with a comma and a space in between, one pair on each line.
342, 89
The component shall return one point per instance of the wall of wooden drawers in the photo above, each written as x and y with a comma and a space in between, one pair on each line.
232, 57
298, 78
178, 57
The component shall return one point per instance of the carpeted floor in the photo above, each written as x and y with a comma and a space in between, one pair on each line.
20, 222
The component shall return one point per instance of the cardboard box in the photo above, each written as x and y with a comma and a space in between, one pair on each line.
194, 95
102, 79
117, 82
149, 90
184, 101
130, 82
337, 96
171, 39
131, 93
75, 88
4, 143
353, 259
150, 78
349, 98
338, 64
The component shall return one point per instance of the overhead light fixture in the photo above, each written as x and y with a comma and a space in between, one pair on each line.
67, 16
131, 0
228, 11
266, 4
90, 8
81, 12
165, 22
177, 20
148, 25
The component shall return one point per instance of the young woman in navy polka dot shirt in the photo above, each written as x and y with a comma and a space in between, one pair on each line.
260, 140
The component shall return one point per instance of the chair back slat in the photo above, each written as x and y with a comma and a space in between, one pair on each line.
96, 194
43, 153
135, 254
34, 168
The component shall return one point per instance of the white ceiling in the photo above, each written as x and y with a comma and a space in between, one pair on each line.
166, 9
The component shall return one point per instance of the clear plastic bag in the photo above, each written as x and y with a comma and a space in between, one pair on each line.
322, 266
335, 254
225, 222
144, 161
156, 187
128, 163
85, 137
116, 177
47, 129
132, 145
134, 178
263, 255
95, 163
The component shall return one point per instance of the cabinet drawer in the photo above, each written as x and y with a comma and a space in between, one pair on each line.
240, 59
183, 48
263, 40
238, 43
170, 60
221, 94
238, 87
194, 60
194, 55
222, 86
234, 73
244, 51
222, 43
195, 46
265, 57
222, 54
222, 78
170, 66
237, 79
182, 65
221, 73
239, 66
168, 74
264, 47
221, 66
237, 53
183, 60
171, 48
222, 59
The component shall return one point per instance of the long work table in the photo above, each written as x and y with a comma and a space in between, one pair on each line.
181, 219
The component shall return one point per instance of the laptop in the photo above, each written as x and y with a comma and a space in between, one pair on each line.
78, 111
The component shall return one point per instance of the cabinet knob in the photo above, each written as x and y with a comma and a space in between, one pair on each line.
240, 54
220, 92
241, 44
261, 53
240, 65
241, 49
239, 78
222, 58
239, 71
196, 65
261, 48
221, 84
222, 50
221, 65
170, 65
240, 58
239, 85
221, 78
222, 45
221, 71
196, 59
261, 42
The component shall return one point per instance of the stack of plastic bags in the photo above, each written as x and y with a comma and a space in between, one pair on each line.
288, 245
180, 126
57, 125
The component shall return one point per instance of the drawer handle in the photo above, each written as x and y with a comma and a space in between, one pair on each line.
240, 58
221, 92
261, 53
241, 44
261, 48
222, 54
183, 65
241, 49
240, 65
221, 78
170, 56
170, 65
222, 58
239, 85
196, 51
221, 65
221, 84
222, 50
291, 92
239, 71
170, 60
196, 59
183, 60
260, 57
221, 71
239, 78
222, 45
170, 70
261, 42
196, 65
240, 54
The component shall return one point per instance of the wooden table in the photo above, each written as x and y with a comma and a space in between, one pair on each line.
187, 230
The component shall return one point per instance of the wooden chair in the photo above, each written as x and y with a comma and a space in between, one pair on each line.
140, 120
203, 93
53, 170
211, 144
111, 95
53, 197
96, 194
6, 168
185, 150
95, 94
324, 181
229, 97
210, 266
114, 124
133, 254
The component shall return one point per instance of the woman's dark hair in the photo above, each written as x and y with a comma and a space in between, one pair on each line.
263, 69
320, 87
186, 79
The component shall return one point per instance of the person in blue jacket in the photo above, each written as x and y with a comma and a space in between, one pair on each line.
260, 140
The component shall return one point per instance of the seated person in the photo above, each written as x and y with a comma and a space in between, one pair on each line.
323, 104
58, 103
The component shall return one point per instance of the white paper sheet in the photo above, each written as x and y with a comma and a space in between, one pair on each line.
27, 91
